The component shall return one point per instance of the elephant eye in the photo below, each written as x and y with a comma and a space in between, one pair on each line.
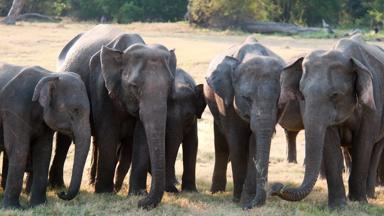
246, 98
76, 111
335, 96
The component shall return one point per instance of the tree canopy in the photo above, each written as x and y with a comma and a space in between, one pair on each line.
216, 13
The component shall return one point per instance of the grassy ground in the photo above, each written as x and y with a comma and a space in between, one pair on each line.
40, 43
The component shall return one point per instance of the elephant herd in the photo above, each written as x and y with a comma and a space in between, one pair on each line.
139, 107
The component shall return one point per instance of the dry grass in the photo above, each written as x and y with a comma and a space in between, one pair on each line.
40, 43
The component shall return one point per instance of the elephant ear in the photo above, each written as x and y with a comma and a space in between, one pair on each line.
111, 61
45, 90
66, 48
200, 100
364, 84
220, 79
290, 82
123, 41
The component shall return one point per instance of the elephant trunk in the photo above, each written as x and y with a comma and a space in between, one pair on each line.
82, 137
314, 145
262, 127
153, 114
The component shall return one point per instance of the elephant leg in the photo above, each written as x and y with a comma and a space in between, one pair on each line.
140, 162
249, 188
238, 153
361, 157
17, 146
4, 170
174, 137
92, 172
372, 175
171, 155
125, 158
219, 179
190, 146
333, 164
322, 170
380, 172
291, 145
107, 141
41, 156
56, 171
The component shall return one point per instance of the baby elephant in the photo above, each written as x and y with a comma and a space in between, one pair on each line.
185, 104
34, 104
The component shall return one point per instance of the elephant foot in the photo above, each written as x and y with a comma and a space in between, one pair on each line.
117, 188
189, 188
171, 189
12, 205
138, 192
217, 187
246, 198
103, 189
337, 204
37, 201
371, 193
236, 198
359, 198
292, 160
148, 202
257, 201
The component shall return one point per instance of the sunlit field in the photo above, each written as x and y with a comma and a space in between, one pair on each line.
40, 43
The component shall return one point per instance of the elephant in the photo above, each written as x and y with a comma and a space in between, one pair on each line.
34, 104
343, 103
127, 81
242, 90
292, 123
185, 105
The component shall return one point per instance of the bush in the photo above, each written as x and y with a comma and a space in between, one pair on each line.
129, 12
225, 13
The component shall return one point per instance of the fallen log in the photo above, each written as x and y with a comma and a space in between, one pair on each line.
38, 16
274, 27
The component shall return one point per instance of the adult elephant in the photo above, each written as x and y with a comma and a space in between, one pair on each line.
126, 81
242, 91
34, 104
185, 105
343, 97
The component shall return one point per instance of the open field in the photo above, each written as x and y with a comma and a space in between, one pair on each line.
40, 43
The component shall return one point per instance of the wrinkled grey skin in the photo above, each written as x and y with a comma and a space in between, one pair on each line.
34, 104
242, 92
343, 99
185, 105
126, 81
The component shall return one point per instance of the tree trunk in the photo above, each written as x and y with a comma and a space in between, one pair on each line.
17, 7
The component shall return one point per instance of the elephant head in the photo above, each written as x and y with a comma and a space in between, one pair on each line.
332, 84
66, 109
140, 79
253, 87
186, 97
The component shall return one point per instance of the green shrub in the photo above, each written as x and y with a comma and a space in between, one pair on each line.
129, 12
